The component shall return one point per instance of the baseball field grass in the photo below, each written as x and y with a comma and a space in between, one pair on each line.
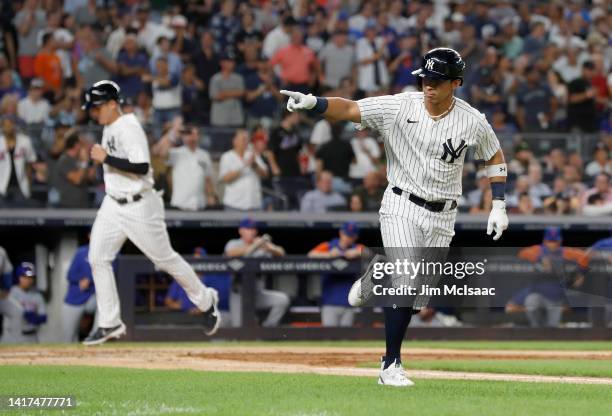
105, 391
188, 378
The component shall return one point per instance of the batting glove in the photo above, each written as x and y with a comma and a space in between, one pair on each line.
498, 219
298, 101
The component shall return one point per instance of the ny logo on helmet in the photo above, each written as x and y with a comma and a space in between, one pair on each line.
449, 150
429, 64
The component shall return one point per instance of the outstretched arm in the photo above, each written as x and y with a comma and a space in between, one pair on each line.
332, 108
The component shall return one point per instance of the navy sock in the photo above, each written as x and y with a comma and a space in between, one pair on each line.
396, 323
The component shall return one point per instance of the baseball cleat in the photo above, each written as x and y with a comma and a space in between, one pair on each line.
104, 334
394, 375
361, 291
212, 318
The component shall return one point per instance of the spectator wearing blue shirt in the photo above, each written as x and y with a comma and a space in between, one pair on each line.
81, 297
8, 86
175, 65
132, 63
536, 41
536, 103
193, 95
406, 61
225, 26
335, 309
262, 96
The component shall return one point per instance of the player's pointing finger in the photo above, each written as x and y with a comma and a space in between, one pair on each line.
291, 94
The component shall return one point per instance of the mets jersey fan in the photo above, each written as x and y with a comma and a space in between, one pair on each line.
131, 210
24, 308
426, 135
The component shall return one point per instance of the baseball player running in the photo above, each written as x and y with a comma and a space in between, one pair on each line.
131, 210
425, 134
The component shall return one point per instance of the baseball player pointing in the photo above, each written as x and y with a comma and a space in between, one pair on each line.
131, 210
425, 134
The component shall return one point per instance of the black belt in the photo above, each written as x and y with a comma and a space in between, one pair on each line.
123, 201
30, 332
429, 205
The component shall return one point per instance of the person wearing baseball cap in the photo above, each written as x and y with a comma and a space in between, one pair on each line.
34, 108
226, 90
544, 300
335, 309
250, 244
24, 308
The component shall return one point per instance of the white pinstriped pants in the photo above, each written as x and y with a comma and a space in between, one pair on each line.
141, 222
405, 225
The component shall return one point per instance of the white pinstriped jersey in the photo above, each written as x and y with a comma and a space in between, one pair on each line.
425, 157
126, 139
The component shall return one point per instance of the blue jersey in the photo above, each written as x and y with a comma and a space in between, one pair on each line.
335, 287
603, 245
79, 268
220, 281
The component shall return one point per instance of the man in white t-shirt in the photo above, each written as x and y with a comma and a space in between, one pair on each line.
34, 109
192, 170
367, 155
278, 37
371, 51
241, 170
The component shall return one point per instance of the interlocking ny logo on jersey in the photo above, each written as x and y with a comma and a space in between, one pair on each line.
450, 151
111, 145
429, 65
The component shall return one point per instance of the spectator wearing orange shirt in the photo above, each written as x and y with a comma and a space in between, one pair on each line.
47, 65
299, 67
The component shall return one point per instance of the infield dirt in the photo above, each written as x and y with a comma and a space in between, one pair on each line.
290, 359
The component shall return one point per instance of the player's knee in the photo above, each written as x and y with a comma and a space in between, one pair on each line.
97, 262
167, 262
283, 300
532, 301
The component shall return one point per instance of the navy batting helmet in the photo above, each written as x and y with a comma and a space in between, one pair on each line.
25, 269
442, 63
101, 92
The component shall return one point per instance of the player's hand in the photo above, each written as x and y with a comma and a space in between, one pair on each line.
334, 252
298, 101
84, 284
98, 154
498, 219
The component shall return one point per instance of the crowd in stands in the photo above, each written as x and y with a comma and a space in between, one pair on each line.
189, 69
